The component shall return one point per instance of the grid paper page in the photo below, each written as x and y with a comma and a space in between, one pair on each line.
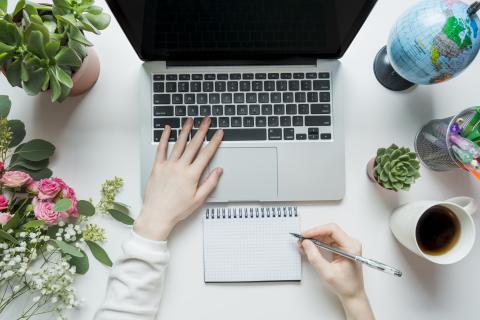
251, 249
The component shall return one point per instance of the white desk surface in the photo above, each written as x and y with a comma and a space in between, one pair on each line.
97, 137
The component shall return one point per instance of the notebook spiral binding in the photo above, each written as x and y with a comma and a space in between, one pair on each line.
250, 213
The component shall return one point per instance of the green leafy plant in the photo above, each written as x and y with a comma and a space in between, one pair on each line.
396, 168
41, 45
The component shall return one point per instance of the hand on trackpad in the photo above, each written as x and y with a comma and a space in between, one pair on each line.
249, 174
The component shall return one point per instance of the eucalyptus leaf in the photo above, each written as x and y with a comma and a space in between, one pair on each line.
5, 105
38, 175
122, 217
36, 150
62, 205
81, 263
27, 164
7, 236
99, 253
68, 249
85, 208
17, 128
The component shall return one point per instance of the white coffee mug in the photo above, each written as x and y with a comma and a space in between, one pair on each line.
405, 219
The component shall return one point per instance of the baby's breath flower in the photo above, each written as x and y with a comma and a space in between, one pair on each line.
93, 232
109, 191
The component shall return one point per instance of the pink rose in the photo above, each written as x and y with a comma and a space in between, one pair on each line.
15, 179
60, 182
48, 189
44, 211
32, 187
3, 202
5, 217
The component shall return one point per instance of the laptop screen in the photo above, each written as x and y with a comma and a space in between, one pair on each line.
240, 29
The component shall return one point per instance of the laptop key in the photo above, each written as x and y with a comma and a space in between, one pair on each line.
324, 75
193, 111
312, 96
297, 121
251, 97
183, 87
293, 85
205, 110
158, 77
260, 76
195, 86
224, 122
321, 85
236, 121
306, 85
247, 76
180, 111
171, 77
291, 108
301, 136
257, 86
230, 110
254, 109
242, 109
177, 98
238, 97
285, 121
222, 76
279, 109
244, 85
317, 108
269, 85
189, 98
161, 99
313, 137
217, 110
282, 85
313, 131
273, 121
158, 133
286, 76
274, 134
288, 134
324, 96
158, 87
273, 76
209, 76
184, 77
202, 98
196, 122
303, 108
311, 75
214, 98
235, 76
287, 97
208, 86
197, 76
266, 109
232, 86
260, 121
220, 86
298, 75
275, 97
252, 134
326, 136
316, 121
161, 122
300, 97
248, 121
163, 111
213, 122
263, 97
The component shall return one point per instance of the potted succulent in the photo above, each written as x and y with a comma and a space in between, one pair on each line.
43, 46
394, 168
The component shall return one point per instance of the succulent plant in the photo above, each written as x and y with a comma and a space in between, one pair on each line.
42, 45
396, 168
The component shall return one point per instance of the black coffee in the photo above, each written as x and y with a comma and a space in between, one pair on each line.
437, 230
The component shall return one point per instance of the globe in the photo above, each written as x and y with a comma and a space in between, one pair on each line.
431, 42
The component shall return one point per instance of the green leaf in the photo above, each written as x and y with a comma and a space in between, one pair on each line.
68, 249
50, 25
85, 208
121, 207
7, 236
94, 9
68, 18
99, 21
99, 253
63, 77
54, 85
88, 26
38, 175
122, 217
31, 165
35, 44
61, 4
9, 33
33, 224
6, 48
79, 48
36, 150
14, 222
62, 205
3, 5
36, 79
19, 7
5, 105
13, 73
52, 48
81, 263
77, 35
18, 132
68, 57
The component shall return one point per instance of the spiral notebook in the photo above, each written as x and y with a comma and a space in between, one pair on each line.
251, 244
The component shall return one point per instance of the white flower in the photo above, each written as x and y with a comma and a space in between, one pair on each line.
35, 299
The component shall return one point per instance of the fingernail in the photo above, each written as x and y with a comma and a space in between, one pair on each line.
167, 127
219, 171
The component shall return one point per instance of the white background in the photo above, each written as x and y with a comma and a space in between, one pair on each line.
97, 138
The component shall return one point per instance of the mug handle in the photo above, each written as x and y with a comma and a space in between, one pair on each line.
467, 203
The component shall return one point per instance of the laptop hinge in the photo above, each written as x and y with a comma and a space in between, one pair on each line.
218, 63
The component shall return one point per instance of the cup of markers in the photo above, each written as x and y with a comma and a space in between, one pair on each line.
453, 142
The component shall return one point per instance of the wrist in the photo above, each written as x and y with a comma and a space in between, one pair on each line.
153, 229
357, 306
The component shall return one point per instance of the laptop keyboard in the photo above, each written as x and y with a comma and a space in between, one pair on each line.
247, 106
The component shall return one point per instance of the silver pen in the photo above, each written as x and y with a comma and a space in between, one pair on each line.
369, 262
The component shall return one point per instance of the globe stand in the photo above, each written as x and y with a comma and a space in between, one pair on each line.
386, 75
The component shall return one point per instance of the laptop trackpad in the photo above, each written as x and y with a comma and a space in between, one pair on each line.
248, 174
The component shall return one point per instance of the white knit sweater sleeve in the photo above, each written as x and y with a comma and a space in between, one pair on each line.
136, 281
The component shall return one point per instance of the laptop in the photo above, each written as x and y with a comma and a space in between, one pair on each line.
264, 71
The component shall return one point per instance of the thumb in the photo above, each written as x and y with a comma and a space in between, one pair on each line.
315, 257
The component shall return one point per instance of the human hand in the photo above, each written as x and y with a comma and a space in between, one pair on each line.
174, 190
343, 276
